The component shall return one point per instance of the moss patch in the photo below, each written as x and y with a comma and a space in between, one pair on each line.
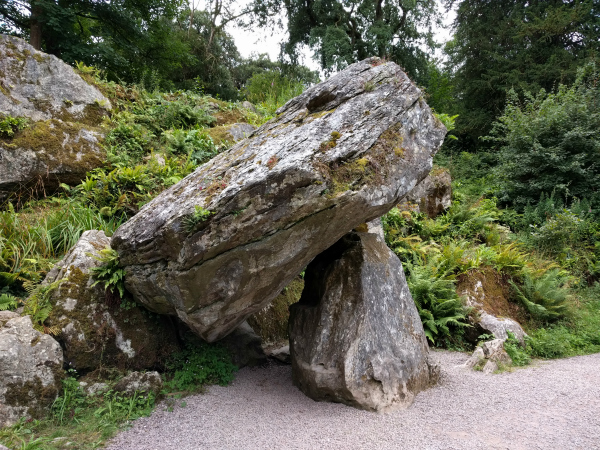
495, 290
271, 323
151, 337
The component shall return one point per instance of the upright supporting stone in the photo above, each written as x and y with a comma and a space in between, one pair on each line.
355, 334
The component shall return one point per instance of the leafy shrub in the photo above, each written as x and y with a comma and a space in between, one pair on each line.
195, 143
550, 142
546, 297
196, 366
38, 305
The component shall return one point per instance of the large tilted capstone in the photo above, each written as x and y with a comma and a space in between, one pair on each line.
355, 335
221, 244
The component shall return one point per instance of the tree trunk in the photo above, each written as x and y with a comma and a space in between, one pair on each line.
35, 38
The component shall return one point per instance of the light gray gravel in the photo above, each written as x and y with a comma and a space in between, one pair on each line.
552, 405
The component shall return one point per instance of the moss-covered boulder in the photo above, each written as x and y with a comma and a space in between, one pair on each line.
39, 86
96, 332
62, 140
30, 371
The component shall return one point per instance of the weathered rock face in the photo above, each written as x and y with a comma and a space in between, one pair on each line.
39, 86
432, 196
94, 333
487, 293
342, 153
355, 335
30, 371
52, 149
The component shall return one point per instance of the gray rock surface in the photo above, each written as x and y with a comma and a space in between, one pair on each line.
355, 335
95, 329
39, 86
44, 155
62, 142
240, 131
5, 316
432, 196
249, 106
245, 348
142, 382
342, 153
92, 389
500, 326
30, 371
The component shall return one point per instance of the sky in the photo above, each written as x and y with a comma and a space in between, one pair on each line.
268, 41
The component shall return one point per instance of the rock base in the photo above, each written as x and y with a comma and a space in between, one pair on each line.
355, 335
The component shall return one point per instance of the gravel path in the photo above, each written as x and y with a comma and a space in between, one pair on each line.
552, 405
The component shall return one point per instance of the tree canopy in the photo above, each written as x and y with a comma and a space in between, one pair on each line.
345, 31
520, 44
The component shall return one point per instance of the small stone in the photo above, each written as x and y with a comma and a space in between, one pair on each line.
249, 106
432, 196
141, 382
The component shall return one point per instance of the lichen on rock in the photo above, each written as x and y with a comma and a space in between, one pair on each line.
30, 371
278, 200
95, 334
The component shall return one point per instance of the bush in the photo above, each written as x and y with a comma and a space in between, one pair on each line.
550, 142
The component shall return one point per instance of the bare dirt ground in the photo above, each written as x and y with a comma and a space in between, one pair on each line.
550, 405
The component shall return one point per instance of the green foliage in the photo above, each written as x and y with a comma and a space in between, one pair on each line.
504, 44
342, 33
197, 217
270, 90
550, 142
196, 366
110, 272
38, 305
10, 125
439, 306
8, 302
448, 121
517, 353
546, 297
195, 143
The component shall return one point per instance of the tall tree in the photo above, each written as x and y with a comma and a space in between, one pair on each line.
122, 36
344, 31
520, 44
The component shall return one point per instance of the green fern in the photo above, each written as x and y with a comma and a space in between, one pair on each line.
110, 272
546, 297
38, 304
437, 302
8, 302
